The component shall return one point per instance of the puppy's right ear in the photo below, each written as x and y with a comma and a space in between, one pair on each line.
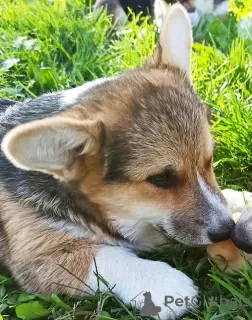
175, 42
53, 145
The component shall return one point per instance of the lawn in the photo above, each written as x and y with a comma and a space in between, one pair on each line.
46, 47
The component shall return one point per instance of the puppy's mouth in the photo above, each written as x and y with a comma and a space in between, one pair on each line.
178, 240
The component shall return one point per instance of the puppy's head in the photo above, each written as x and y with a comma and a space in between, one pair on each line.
138, 146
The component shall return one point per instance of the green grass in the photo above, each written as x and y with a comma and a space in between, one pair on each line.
68, 46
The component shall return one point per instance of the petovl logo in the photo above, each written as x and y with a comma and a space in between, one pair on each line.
149, 308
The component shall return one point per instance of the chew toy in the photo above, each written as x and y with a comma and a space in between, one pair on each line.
225, 254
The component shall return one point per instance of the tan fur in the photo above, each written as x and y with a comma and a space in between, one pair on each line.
146, 163
35, 252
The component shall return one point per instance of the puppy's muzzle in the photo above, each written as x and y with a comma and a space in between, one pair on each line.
223, 232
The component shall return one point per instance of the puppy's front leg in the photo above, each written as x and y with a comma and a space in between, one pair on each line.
69, 267
46, 260
133, 276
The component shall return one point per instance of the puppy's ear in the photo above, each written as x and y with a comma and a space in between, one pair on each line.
208, 113
175, 43
52, 145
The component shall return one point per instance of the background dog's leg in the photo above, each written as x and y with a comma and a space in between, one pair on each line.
113, 8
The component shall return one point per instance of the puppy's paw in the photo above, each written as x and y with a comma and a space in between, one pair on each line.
164, 291
153, 287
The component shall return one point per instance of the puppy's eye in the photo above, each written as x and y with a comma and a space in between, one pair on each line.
165, 180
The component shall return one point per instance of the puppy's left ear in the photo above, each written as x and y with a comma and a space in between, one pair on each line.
175, 42
208, 113
55, 145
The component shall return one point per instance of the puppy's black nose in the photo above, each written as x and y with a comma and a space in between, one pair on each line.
222, 233
240, 240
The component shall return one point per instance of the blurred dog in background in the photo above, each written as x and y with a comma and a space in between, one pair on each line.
120, 9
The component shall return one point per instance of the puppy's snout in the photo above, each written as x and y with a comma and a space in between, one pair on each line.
223, 231
218, 217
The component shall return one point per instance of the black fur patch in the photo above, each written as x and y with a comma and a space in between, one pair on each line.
4, 104
137, 6
216, 2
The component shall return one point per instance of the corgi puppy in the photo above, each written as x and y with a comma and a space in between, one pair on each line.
119, 9
92, 175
